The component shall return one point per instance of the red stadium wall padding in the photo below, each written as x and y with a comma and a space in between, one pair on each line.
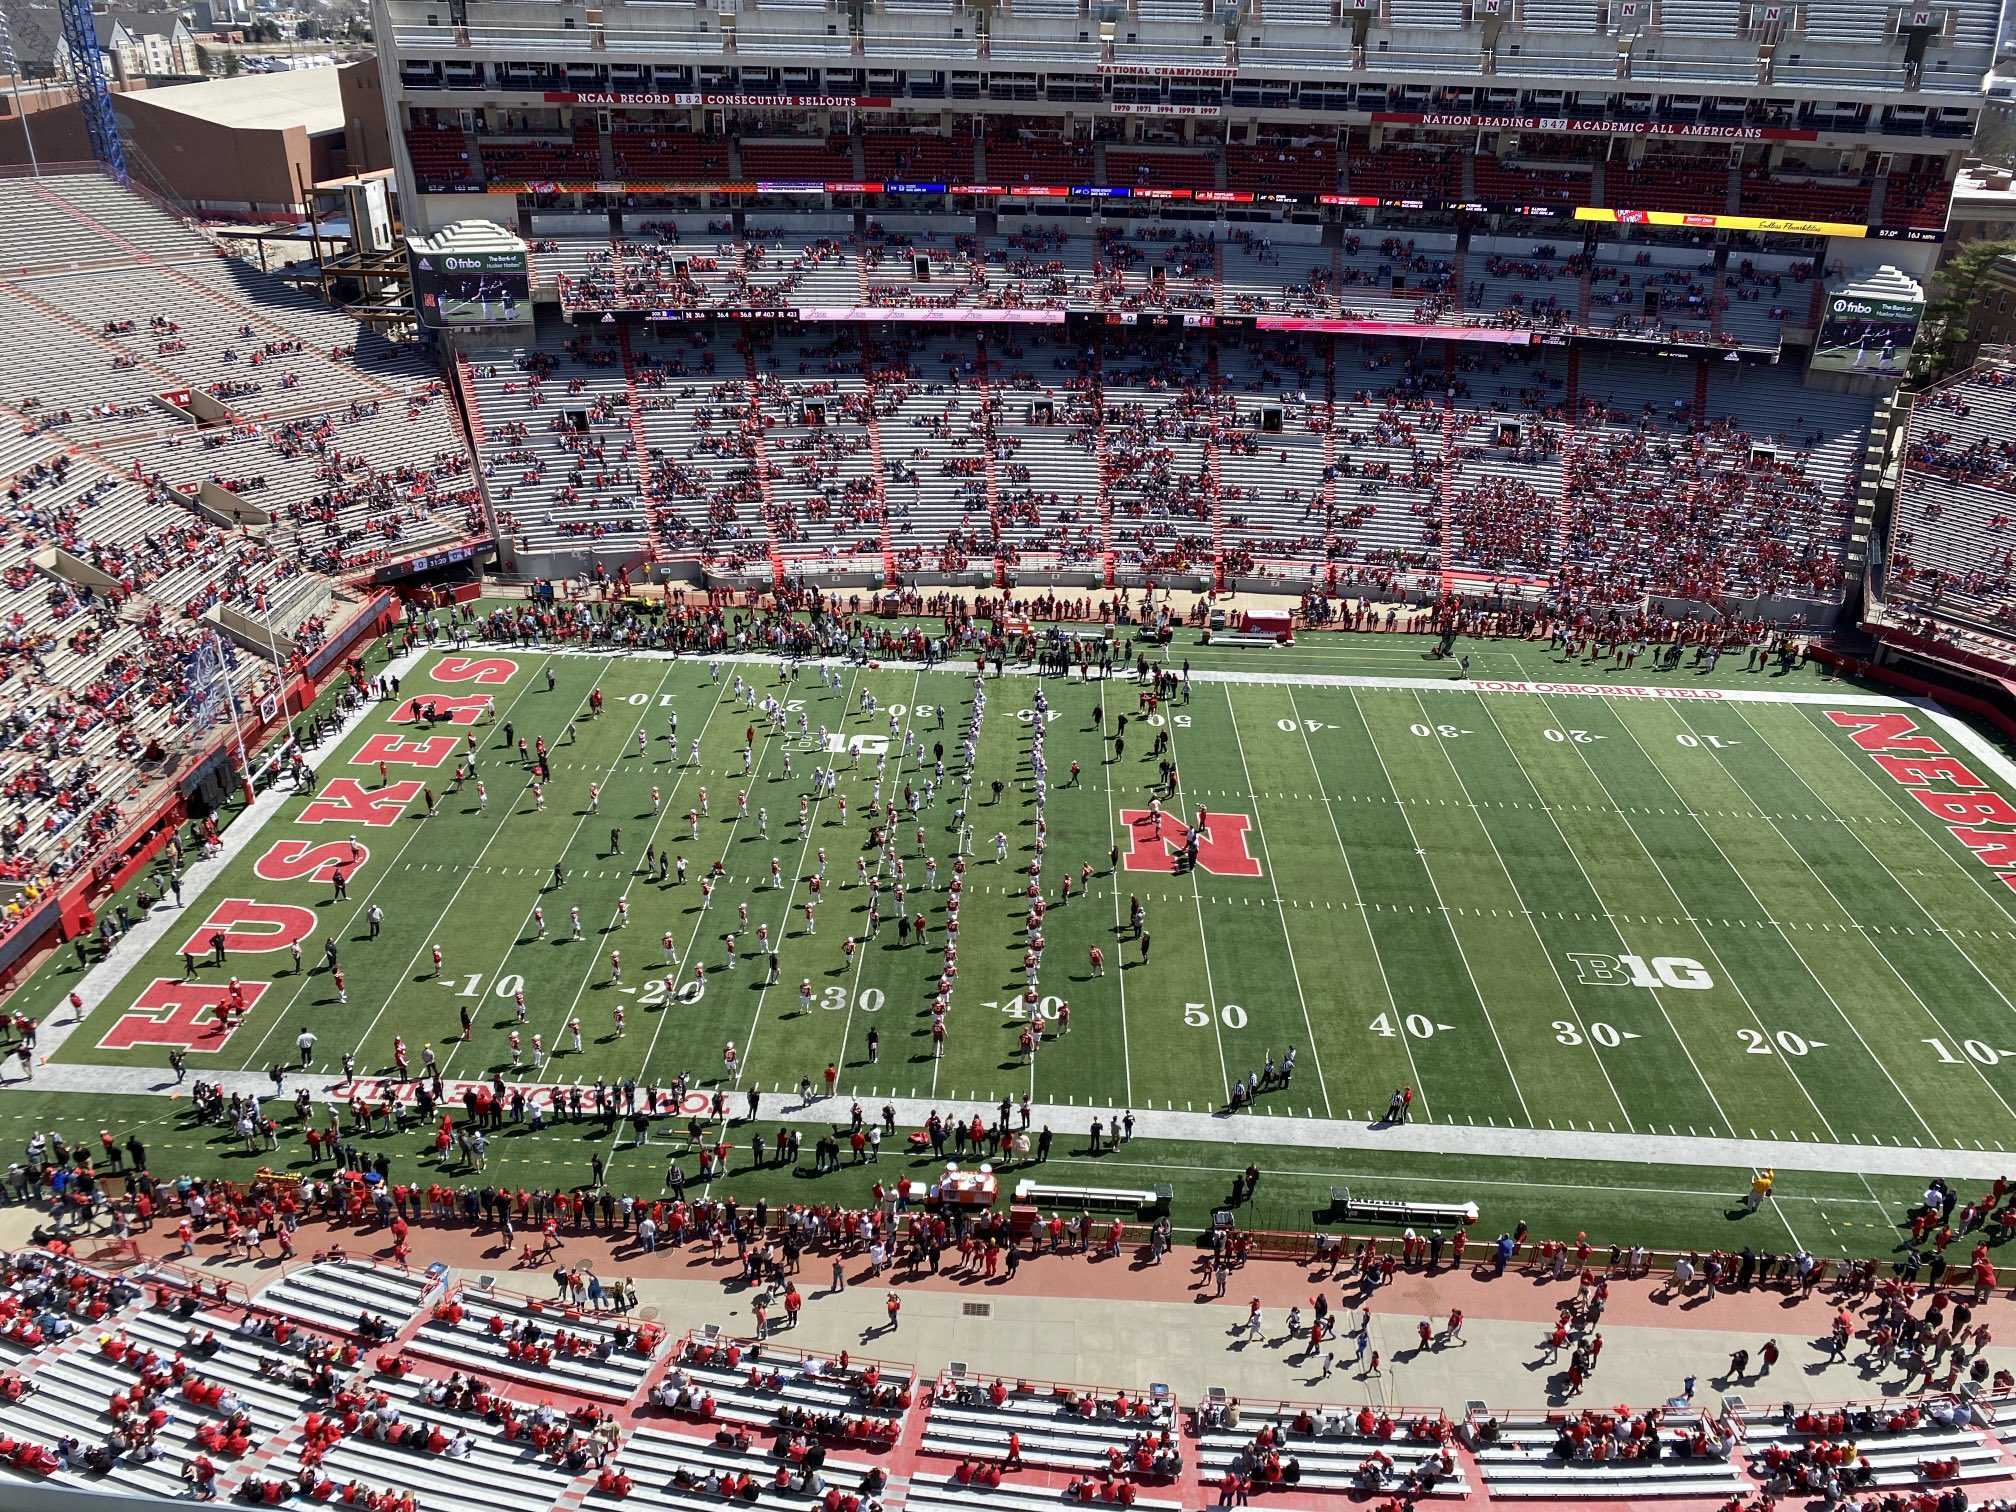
1973, 704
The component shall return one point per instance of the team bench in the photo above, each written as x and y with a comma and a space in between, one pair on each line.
1239, 638
1344, 1207
1150, 1200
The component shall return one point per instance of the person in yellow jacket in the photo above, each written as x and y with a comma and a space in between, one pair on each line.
1760, 1189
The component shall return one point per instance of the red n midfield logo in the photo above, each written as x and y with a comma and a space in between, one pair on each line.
1154, 840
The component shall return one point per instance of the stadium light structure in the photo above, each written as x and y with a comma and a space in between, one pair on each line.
94, 96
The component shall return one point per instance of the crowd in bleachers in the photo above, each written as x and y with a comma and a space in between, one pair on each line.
1156, 453
1953, 534
122, 536
660, 265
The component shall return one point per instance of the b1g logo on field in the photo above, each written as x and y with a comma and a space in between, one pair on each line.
840, 743
1679, 973
1155, 839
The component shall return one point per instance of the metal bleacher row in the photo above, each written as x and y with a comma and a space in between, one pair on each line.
1013, 445
112, 309
1145, 269
86, 1355
1954, 522
93, 680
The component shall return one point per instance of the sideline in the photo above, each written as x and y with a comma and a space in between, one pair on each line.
963, 666
1074, 1120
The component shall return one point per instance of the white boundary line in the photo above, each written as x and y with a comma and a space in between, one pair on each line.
1633, 692
1196, 895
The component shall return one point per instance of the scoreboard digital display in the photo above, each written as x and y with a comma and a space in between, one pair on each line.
475, 288
1866, 336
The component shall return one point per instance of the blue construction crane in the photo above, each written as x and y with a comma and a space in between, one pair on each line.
94, 97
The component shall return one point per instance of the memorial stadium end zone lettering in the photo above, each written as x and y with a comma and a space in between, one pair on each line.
183, 1015
307, 861
1941, 782
250, 927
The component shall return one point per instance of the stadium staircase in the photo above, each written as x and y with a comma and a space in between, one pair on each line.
1718, 300
779, 569
130, 355
1330, 552
1445, 483
139, 254
1876, 199
1700, 392
1211, 488
869, 359
1098, 397
1572, 390
1868, 488
246, 314
647, 483
993, 486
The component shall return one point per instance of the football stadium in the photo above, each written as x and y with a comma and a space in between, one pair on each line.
1326, 690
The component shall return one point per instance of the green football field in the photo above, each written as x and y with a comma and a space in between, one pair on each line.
1707, 915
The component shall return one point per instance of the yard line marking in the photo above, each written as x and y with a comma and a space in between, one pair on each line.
1726, 975
1658, 997
1119, 966
1786, 936
1974, 965
622, 752
1567, 997
861, 954
357, 913
1260, 833
1847, 1023
798, 876
1434, 887
1197, 893
1357, 898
